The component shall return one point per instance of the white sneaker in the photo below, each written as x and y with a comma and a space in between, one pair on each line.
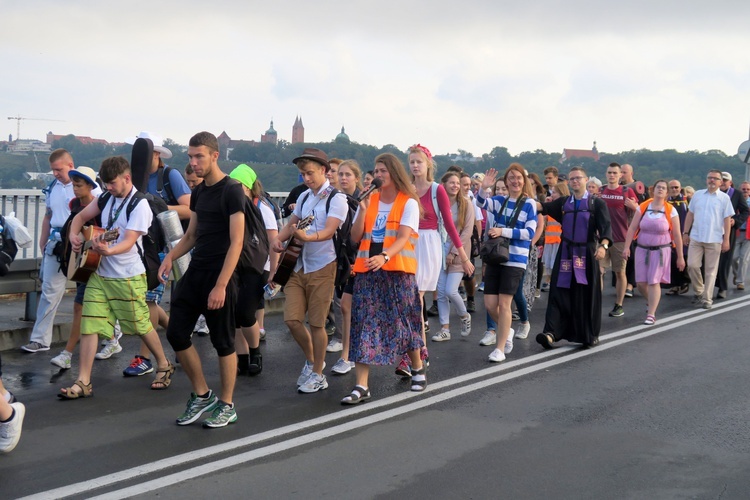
200, 326
112, 347
116, 334
335, 346
443, 335
306, 372
262, 334
10, 432
314, 383
523, 330
342, 367
490, 338
466, 326
509, 343
62, 360
496, 356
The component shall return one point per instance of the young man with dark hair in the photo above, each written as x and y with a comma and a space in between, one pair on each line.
116, 291
190, 177
622, 203
209, 286
310, 287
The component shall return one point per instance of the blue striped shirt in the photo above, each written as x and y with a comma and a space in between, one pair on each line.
523, 231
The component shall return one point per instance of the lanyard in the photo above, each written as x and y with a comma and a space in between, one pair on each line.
113, 217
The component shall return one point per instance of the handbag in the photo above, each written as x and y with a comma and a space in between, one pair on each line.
496, 251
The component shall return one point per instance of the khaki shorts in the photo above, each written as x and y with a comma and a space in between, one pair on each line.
310, 293
110, 299
613, 258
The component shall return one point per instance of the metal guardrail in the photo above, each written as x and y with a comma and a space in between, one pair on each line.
29, 206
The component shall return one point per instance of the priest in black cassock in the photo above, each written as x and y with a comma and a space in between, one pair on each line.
574, 310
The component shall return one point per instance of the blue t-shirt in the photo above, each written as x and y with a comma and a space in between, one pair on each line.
176, 182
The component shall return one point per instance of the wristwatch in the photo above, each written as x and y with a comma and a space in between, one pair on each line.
604, 245
385, 256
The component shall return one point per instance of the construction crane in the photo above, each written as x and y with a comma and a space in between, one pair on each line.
19, 118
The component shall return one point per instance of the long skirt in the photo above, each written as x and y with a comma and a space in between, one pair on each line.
386, 317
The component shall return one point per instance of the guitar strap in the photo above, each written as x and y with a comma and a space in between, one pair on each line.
322, 195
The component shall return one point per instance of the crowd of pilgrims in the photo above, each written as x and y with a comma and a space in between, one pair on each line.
414, 239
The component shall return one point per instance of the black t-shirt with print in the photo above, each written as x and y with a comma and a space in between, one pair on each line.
213, 221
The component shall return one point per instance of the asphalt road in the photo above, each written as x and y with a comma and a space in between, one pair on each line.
653, 412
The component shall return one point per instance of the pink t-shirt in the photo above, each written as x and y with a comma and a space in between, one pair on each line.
430, 220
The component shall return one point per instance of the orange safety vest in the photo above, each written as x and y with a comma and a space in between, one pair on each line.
406, 259
553, 232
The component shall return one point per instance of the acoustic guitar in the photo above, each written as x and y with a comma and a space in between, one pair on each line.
291, 253
84, 263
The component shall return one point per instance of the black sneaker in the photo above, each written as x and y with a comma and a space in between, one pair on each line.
433, 310
470, 306
256, 364
617, 311
629, 293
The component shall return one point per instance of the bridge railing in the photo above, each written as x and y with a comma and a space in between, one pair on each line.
29, 206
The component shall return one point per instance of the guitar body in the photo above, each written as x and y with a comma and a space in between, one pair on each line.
287, 261
84, 263
291, 253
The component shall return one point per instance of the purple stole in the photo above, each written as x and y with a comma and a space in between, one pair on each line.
575, 233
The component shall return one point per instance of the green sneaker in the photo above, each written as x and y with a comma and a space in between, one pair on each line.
223, 415
196, 407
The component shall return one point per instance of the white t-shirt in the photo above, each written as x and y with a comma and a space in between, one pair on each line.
58, 202
477, 211
269, 220
128, 264
318, 254
409, 218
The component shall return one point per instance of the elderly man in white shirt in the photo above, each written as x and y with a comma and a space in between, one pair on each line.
706, 233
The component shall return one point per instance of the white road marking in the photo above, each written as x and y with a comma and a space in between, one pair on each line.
539, 361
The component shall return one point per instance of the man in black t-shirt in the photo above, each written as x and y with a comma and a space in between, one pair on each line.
209, 286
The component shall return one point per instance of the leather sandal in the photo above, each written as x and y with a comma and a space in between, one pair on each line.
70, 393
163, 377
418, 379
358, 395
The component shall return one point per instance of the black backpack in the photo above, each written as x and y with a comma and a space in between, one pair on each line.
255, 244
346, 250
8, 248
154, 241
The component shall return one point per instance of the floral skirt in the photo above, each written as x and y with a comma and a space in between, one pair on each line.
386, 317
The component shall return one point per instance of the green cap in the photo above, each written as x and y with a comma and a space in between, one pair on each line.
245, 175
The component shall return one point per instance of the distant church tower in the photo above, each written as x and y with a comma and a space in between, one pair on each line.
270, 135
298, 131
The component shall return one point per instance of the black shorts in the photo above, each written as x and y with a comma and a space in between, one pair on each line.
347, 288
190, 300
249, 298
502, 280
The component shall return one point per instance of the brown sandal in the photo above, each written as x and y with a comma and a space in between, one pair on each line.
163, 377
69, 393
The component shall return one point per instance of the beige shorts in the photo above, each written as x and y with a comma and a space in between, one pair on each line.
613, 258
310, 293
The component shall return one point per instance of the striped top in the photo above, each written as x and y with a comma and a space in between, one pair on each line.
524, 230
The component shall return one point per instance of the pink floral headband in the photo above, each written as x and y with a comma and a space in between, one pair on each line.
423, 149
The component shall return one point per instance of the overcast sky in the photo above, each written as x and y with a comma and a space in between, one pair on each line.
449, 74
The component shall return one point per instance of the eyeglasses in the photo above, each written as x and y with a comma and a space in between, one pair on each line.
717, 179
576, 179
674, 187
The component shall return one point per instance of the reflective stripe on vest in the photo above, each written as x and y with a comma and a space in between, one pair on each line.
406, 259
